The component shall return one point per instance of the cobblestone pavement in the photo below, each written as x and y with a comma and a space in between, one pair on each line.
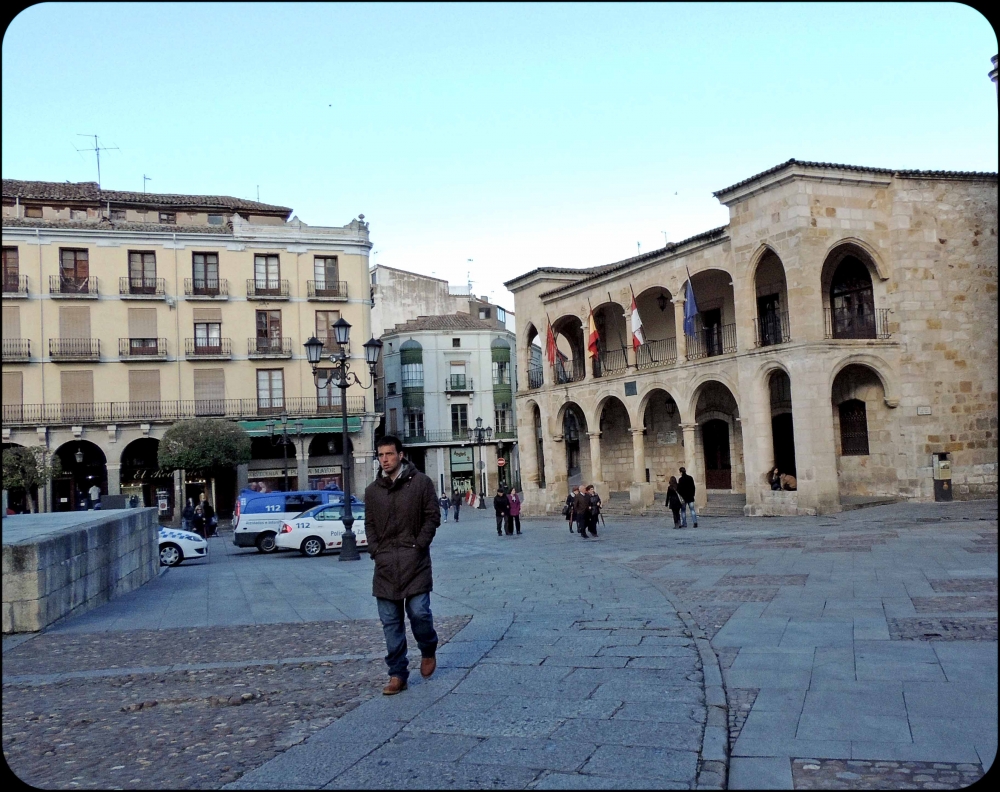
80, 711
856, 650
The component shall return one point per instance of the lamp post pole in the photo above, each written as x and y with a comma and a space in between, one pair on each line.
284, 441
344, 378
480, 435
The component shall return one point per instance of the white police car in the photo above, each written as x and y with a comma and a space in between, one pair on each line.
177, 545
321, 528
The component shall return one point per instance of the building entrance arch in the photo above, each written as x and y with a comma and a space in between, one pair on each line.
71, 489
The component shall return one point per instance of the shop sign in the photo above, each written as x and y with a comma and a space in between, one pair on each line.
461, 459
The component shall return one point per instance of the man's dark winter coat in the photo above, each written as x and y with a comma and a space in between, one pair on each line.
401, 519
581, 503
685, 488
501, 505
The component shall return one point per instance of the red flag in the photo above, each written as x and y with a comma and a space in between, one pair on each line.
550, 346
592, 337
638, 338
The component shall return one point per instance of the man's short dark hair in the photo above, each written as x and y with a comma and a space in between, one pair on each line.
390, 440
683, 470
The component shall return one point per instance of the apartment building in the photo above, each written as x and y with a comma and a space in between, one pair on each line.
124, 312
445, 377
844, 329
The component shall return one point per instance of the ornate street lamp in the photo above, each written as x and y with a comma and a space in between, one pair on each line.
342, 377
479, 435
283, 440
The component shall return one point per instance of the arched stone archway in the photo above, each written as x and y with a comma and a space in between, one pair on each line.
720, 440
533, 357
570, 349
140, 474
771, 325
663, 438
612, 335
576, 443
715, 323
71, 489
659, 327
853, 294
617, 463
863, 430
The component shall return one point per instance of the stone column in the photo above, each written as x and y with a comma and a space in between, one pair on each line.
242, 477
815, 451
302, 459
641, 492
679, 329
596, 472
114, 478
758, 448
694, 463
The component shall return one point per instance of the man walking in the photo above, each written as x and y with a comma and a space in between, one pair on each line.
445, 503
456, 502
581, 512
502, 507
401, 518
595, 509
685, 488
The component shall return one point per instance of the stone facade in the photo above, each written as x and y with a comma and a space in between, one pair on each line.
833, 291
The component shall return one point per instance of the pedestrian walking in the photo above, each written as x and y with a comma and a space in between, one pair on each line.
515, 509
198, 522
568, 508
402, 515
445, 503
211, 519
456, 502
187, 515
686, 489
674, 502
502, 508
581, 511
595, 509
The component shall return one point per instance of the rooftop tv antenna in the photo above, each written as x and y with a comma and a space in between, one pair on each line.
97, 149
145, 179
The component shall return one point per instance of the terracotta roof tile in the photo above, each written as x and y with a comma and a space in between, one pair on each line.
106, 225
455, 321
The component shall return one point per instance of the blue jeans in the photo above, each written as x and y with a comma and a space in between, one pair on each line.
444, 514
418, 608
684, 511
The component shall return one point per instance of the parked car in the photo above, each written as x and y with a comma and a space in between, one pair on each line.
321, 529
177, 545
259, 515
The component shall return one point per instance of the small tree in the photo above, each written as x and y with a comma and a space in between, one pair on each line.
26, 469
203, 445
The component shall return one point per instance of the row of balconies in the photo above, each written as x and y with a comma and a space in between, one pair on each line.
710, 342
123, 412
89, 349
194, 288
457, 383
451, 436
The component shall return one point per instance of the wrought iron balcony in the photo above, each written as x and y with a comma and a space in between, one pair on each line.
610, 361
326, 290
15, 286
771, 328
16, 349
436, 436
142, 348
60, 286
219, 348
142, 288
569, 370
269, 347
712, 341
535, 377
267, 289
656, 353
458, 383
124, 412
856, 325
206, 288
75, 348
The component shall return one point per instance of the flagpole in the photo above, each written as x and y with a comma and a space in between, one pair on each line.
620, 336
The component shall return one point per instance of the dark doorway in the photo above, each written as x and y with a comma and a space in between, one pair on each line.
571, 438
711, 321
715, 440
784, 443
770, 325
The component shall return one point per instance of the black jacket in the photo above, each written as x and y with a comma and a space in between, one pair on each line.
401, 519
673, 499
501, 505
685, 488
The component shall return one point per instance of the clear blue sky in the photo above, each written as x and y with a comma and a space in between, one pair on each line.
515, 135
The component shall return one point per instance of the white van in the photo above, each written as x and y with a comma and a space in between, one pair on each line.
259, 515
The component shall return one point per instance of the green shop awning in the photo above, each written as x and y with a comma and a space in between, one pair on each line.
309, 426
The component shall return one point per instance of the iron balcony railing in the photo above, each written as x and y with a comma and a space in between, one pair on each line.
142, 347
712, 341
505, 434
208, 347
141, 287
74, 348
267, 289
569, 370
849, 324
610, 361
269, 347
206, 288
16, 349
535, 377
122, 412
73, 287
458, 383
326, 290
656, 353
437, 436
771, 328
15, 285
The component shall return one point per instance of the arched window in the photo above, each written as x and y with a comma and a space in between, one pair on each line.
852, 301
853, 428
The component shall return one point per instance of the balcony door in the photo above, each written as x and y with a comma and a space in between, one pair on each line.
711, 321
770, 323
205, 273
718, 468
74, 271
142, 272
266, 274
268, 331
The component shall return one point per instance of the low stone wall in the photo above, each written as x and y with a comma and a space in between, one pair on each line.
57, 565
778, 503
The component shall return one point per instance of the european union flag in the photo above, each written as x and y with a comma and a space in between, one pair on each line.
690, 308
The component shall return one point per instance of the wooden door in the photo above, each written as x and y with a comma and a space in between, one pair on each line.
715, 441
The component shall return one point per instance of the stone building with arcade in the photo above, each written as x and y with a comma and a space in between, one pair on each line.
846, 333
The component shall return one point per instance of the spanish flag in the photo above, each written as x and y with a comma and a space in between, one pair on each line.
592, 339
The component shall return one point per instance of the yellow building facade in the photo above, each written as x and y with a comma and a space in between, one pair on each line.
124, 312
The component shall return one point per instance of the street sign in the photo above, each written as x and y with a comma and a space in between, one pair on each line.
501, 461
481, 464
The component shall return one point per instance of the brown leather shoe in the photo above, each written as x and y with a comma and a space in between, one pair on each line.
427, 666
396, 685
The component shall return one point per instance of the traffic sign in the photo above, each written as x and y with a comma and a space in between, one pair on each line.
501, 461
